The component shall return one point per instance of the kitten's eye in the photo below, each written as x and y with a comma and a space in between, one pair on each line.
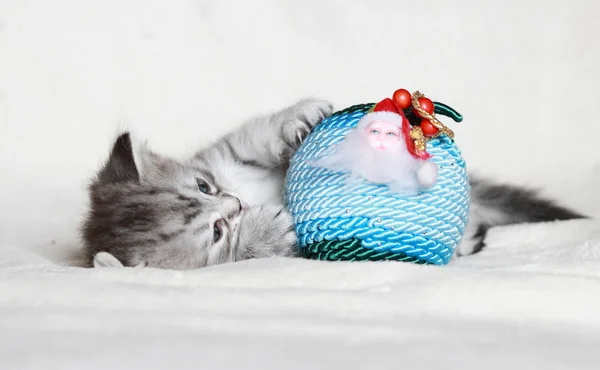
217, 231
202, 186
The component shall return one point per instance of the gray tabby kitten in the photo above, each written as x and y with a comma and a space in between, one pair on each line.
225, 204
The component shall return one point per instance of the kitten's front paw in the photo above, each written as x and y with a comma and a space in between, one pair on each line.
299, 119
266, 231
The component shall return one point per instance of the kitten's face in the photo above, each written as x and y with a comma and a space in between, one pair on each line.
156, 212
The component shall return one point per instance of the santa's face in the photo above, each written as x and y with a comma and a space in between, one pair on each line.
383, 136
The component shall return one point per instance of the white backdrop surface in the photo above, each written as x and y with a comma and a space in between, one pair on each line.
179, 73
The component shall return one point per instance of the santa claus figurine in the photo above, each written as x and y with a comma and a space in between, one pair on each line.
383, 149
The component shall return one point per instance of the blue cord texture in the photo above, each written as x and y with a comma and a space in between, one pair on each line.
325, 206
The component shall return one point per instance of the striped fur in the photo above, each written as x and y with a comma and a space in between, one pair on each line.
494, 204
224, 204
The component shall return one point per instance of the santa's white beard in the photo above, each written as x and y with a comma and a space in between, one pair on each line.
354, 155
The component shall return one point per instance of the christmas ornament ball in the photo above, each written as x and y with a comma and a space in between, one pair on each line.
338, 220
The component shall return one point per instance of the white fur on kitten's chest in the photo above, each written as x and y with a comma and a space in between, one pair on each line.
254, 186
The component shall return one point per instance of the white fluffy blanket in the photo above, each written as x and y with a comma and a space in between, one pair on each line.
531, 300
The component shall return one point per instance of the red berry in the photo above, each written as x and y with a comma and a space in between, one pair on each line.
402, 98
428, 128
426, 105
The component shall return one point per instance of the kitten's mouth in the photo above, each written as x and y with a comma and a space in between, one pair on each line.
230, 224
234, 225
234, 222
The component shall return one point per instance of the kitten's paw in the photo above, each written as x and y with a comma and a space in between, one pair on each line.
473, 241
105, 259
267, 231
299, 119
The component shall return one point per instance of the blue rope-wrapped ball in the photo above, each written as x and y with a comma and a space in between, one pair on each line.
338, 220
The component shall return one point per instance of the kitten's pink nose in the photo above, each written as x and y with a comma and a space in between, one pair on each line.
235, 211
243, 205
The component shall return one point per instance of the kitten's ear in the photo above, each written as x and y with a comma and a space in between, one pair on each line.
105, 259
121, 165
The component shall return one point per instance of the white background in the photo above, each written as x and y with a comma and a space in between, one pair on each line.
72, 72
524, 74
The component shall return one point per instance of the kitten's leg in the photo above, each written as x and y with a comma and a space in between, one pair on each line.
266, 231
269, 141
497, 205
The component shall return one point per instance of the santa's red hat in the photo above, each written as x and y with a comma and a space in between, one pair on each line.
387, 110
